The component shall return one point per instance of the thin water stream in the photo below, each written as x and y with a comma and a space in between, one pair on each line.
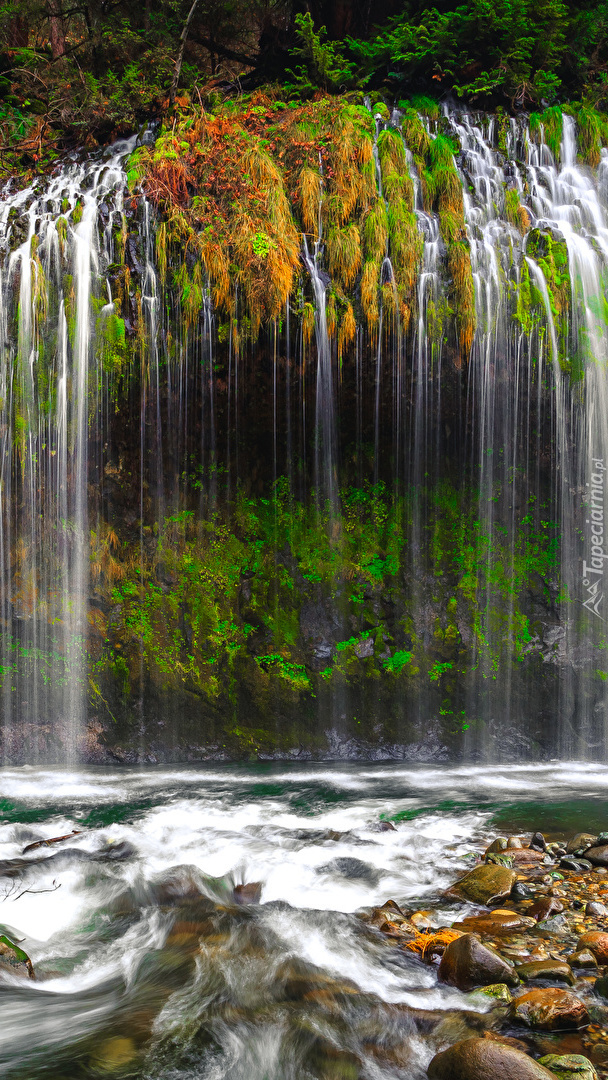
146, 966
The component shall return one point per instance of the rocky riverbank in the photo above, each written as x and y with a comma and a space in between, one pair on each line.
507, 966
533, 938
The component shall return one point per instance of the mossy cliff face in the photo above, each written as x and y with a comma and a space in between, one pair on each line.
266, 635
236, 607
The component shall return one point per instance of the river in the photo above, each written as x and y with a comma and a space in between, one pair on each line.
147, 970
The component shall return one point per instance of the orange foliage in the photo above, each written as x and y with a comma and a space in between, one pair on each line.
427, 945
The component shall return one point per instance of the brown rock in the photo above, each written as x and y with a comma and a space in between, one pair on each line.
527, 855
550, 1010
580, 842
466, 963
597, 942
514, 843
598, 855
584, 958
249, 893
481, 1059
495, 922
555, 970
486, 884
545, 906
508, 1040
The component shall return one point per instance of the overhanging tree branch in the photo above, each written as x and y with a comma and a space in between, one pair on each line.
224, 50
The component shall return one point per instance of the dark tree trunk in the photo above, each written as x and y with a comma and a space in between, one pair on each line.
57, 29
18, 33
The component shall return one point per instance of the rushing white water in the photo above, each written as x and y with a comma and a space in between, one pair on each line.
92, 916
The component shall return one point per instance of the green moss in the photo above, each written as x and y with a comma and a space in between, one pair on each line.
548, 125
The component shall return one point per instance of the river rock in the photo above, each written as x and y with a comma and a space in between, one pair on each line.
482, 1059
486, 884
579, 843
584, 958
527, 856
579, 866
538, 842
498, 991
598, 855
14, 960
569, 1066
597, 942
555, 970
521, 891
550, 1010
249, 893
600, 987
349, 867
495, 922
467, 963
545, 906
499, 844
514, 843
113, 1055
595, 907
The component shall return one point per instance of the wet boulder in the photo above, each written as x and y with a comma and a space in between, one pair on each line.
544, 907
569, 1066
582, 958
348, 867
497, 845
178, 885
467, 963
495, 922
499, 992
596, 908
597, 942
486, 884
578, 844
555, 970
521, 891
249, 893
550, 1010
597, 855
14, 960
482, 1059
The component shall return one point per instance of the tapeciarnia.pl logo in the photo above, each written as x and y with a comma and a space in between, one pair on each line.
593, 571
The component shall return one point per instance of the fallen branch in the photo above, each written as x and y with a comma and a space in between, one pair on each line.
36, 892
51, 840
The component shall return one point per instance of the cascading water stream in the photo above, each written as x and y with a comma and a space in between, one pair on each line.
49, 288
96, 324
325, 436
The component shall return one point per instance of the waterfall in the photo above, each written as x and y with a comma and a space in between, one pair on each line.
53, 278
135, 417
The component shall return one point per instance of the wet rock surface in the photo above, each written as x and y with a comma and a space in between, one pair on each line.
528, 930
467, 963
480, 1059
